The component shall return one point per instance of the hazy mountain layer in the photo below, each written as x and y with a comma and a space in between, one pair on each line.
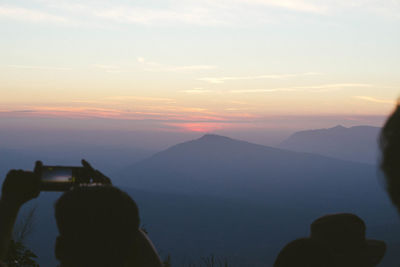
220, 166
359, 143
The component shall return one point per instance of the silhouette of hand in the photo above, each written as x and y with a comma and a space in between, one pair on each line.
21, 186
97, 176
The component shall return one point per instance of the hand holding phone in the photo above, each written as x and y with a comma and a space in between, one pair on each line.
64, 178
20, 186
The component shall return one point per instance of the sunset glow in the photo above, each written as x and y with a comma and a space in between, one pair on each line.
198, 65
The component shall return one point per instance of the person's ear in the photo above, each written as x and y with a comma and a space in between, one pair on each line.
59, 248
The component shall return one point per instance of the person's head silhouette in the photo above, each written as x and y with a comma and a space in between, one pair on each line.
390, 159
336, 240
98, 226
344, 235
304, 252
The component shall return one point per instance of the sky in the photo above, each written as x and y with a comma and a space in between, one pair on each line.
195, 66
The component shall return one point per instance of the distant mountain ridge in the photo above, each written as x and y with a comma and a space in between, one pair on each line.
221, 166
358, 143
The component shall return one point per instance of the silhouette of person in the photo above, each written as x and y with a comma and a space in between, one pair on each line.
344, 235
341, 240
98, 226
390, 157
304, 252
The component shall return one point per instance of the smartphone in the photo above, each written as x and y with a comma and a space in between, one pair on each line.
62, 178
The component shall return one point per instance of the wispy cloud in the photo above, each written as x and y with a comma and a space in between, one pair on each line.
337, 85
196, 91
262, 90
199, 13
100, 66
36, 67
137, 15
155, 66
125, 99
255, 77
65, 112
187, 12
312, 88
140, 98
375, 100
30, 15
384, 8
109, 68
201, 127
168, 114
295, 5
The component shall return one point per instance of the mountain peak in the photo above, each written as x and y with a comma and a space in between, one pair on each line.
339, 126
213, 137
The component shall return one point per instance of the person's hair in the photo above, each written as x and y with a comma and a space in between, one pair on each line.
390, 157
98, 226
304, 252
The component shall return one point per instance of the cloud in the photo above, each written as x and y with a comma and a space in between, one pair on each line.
140, 98
383, 8
262, 90
337, 85
201, 127
312, 88
237, 109
149, 16
196, 91
256, 77
179, 115
155, 66
124, 99
36, 67
178, 12
29, 15
295, 5
110, 68
106, 14
106, 67
66, 112
375, 100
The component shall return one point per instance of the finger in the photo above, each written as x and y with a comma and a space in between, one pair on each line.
97, 175
88, 169
38, 168
11, 173
86, 164
37, 178
104, 179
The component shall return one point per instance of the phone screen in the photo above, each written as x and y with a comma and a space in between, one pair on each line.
57, 174
63, 178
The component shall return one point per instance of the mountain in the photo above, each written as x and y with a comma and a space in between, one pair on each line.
358, 143
221, 166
